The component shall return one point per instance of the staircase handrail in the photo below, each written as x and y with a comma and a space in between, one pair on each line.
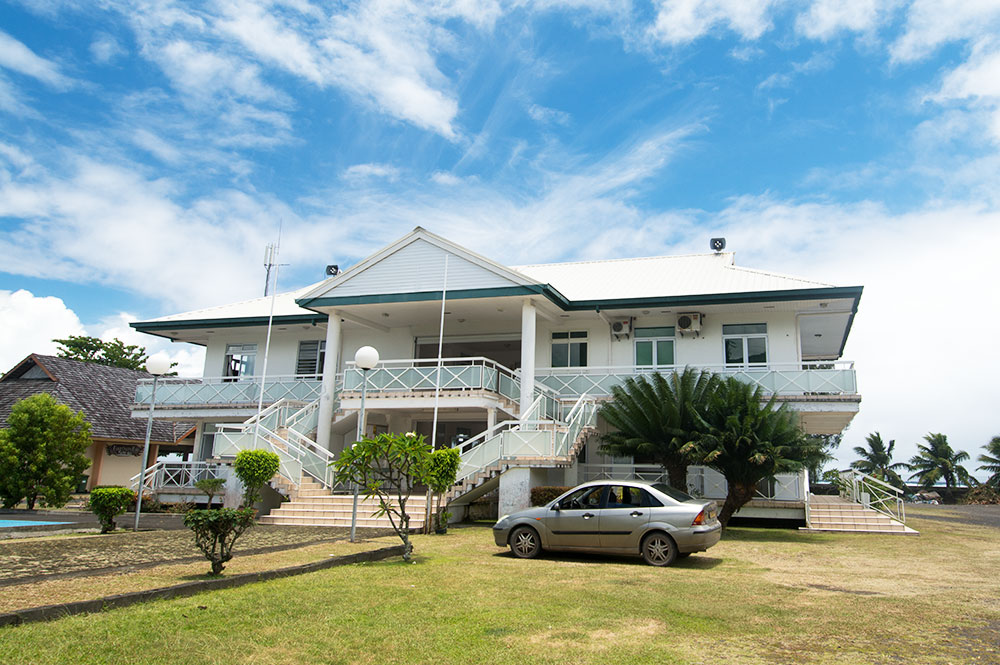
294, 451
883, 497
146, 474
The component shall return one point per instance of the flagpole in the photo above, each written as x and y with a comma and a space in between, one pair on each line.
437, 389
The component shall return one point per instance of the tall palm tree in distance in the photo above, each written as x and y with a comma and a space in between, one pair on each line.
991, 461
876, 460
936, 461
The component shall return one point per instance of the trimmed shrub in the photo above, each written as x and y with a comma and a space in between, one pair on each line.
542, 495
254, 468
216, 531
211, 487
108, 503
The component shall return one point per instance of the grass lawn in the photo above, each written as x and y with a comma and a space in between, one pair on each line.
760, 596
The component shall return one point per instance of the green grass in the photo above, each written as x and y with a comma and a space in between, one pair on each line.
757, 597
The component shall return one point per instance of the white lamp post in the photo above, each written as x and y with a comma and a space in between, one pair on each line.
366, 358
156, 367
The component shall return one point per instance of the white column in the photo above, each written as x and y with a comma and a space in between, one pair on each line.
491, 419
330, 364
527, 355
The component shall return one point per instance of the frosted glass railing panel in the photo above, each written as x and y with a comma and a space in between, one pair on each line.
173, 391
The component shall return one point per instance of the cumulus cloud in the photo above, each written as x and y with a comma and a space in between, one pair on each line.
932, 23
30, 324
105, 48
365, 171
683, 21
826, 18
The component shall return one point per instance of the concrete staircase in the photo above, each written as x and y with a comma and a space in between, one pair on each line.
833, 513
312, 505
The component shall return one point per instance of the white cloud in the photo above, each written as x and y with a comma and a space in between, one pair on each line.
931, 23
105, 48
546, 115
448, 179
17, 57
365, 171
976, 84
679, 22
827, 18
30, 324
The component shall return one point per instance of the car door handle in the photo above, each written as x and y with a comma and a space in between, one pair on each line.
635, 513
587, 516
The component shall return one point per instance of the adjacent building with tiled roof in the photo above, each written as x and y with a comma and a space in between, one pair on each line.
105, 395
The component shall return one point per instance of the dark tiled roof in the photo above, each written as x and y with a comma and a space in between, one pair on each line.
104, 394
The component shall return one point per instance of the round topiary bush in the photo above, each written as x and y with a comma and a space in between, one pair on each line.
254, 468
108, 503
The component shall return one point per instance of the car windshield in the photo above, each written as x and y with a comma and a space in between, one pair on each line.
675, 494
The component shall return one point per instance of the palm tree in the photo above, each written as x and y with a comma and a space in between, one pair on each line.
749, 438
937, 461
654, 418
876, 461
991, 461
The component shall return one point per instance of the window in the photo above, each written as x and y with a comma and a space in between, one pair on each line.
654, 347
240, 360
623, 496
587, 497
745, 343
569, 349
310, 359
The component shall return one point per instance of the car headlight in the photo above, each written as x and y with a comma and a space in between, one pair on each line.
502, 520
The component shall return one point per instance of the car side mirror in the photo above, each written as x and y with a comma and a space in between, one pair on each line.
556, 507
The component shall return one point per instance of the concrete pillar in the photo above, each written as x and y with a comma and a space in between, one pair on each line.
491, 419
515, 490
331, 362
527, 355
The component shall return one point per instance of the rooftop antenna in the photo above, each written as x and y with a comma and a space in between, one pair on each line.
271, 257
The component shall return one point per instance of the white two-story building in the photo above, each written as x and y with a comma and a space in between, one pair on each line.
528, 354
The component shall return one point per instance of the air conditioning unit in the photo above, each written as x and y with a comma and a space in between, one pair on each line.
622, 327
689, 322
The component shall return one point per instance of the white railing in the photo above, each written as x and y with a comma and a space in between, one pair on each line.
701, 482
805, 378
531, 437
421, 374
872, 493
227, 390
176, 475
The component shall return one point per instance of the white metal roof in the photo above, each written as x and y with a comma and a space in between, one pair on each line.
660, 276
284, 305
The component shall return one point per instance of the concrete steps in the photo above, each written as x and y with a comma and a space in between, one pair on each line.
314, 506
829, 513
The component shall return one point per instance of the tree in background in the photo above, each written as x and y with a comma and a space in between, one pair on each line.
108, 503
440, 472
254, 468
93, 350
42, 452
991, 462
825, 445
655, 418
748, 438
877, 462
936, 461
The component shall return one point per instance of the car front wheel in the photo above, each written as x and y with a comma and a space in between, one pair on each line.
659, 549
524, 543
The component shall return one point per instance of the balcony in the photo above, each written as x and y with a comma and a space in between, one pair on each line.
834, 378
194, 397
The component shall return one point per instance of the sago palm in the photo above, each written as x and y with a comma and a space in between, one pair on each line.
877, 462
936, 461
749, 438
991, 461
654, 418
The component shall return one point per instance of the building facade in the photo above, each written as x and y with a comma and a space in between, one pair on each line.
528, 353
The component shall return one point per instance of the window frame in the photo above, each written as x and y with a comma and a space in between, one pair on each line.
569, 338
320, 358
744, 338
227, 362
654, 341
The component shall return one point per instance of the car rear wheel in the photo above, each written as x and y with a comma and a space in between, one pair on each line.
659, 549
524, 543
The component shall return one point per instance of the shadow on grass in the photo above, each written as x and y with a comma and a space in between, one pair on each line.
760, 535
694, 562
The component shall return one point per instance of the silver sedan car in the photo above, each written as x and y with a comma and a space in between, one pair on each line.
653, 520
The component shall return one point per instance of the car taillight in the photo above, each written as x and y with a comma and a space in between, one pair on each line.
700, 519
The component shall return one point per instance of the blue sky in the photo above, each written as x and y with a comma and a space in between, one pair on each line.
149, 150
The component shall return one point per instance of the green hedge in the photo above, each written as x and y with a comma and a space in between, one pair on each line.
108, 503
542, 495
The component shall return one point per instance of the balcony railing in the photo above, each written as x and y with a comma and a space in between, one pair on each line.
228, 390
806, 378
702, 481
